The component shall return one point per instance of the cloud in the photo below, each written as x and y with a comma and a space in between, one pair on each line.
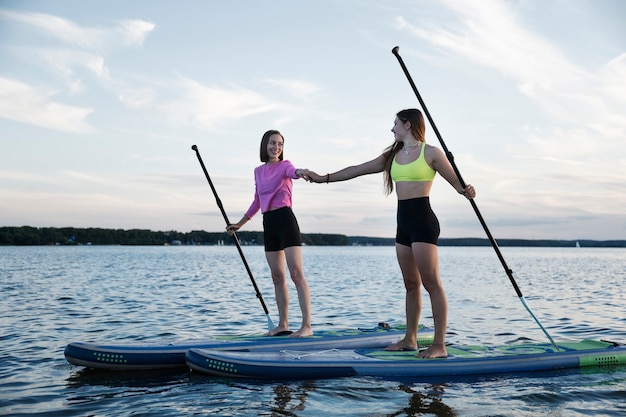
210, 107
583, 101
68, 63
89, 41
126, 32
134, 32
491, 34
26, 104
612, 121
296, 88
81, 52
137, 98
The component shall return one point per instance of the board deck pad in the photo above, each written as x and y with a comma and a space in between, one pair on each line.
477, 351
143, 356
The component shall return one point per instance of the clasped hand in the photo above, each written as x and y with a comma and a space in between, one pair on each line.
311, 176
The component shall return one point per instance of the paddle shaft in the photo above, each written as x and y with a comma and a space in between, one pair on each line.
450, 157
233, 234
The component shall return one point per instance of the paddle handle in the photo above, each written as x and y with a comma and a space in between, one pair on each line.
233, 234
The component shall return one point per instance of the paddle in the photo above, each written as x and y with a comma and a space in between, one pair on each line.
450, 157
270, 325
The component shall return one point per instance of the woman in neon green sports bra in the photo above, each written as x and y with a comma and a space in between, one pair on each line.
412, 164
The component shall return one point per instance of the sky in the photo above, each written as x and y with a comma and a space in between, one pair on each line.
100, 103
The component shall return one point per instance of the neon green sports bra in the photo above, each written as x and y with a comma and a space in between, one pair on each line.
417, 170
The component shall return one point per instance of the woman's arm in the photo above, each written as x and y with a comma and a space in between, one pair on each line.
440, 163
236, 226
369, 167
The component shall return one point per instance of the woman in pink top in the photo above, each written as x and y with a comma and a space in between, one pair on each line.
281, 233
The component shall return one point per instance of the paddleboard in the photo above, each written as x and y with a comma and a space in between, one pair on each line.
462, 360
158, 356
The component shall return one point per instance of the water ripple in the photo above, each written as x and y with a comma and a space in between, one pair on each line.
56, 295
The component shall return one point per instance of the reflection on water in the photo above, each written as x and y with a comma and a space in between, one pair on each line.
141, 379
429, 403
289, 399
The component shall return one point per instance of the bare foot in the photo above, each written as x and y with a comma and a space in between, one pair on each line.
434, 351
402, 345
278, 330
303, 332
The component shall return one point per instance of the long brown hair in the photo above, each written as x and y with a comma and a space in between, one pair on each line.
265, 140
418, 129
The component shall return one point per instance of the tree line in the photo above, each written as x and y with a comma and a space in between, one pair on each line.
35, 236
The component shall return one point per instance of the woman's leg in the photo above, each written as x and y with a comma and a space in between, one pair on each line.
294, 262
427, 259
413, 298
276, 262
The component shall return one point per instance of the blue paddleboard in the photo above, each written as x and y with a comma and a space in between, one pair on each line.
461, 360
158, 356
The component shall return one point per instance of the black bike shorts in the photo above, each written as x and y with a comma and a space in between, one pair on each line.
416, 222
280, 229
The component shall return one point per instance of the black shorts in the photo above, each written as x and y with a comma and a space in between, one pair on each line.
280, 229
416, 222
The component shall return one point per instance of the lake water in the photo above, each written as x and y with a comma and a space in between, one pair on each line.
55, 295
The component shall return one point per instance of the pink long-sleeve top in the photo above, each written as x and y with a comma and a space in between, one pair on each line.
273, 187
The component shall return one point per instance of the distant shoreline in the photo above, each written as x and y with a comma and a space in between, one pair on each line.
557, 243
47, 236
